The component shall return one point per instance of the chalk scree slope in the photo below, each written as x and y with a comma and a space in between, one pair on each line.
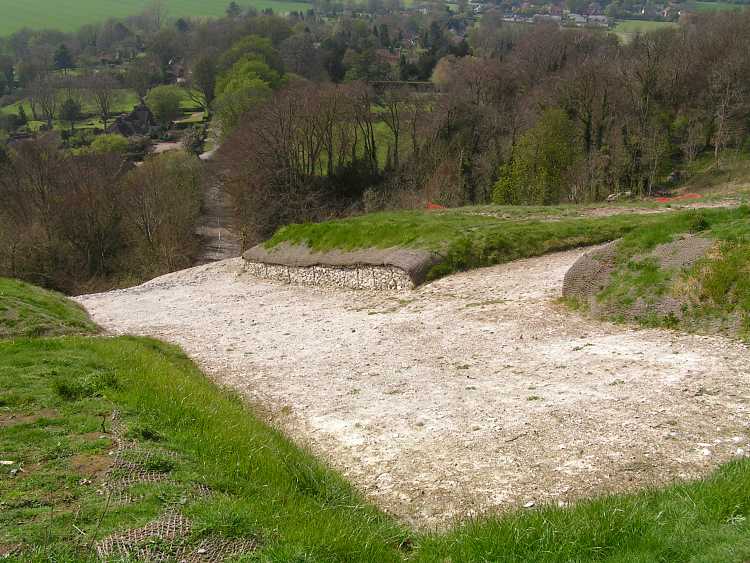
476, 392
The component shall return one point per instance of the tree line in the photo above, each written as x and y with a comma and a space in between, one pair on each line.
79, 223
536, 115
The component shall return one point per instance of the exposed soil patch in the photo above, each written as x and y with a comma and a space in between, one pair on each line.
91, 466
15, 419
477, 392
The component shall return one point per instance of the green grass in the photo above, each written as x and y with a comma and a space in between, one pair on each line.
475, 237
627, 29
69, 15
264, 487
642, 26
125, 103
26, 310
62, 391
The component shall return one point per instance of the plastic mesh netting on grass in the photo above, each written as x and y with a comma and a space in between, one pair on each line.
167, 538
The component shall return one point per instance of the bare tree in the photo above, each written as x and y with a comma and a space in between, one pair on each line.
89, 215
140, 77
728, 94
393, 101
202, 84
44, 91
103, 90
162, 201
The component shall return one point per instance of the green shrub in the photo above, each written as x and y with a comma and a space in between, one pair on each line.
110, 144
698, 222
164, 102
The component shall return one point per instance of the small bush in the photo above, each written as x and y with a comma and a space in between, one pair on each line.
108, 144
146, 433
160, 464
698, 222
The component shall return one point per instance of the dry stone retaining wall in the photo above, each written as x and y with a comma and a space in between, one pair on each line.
368, 268
356, 276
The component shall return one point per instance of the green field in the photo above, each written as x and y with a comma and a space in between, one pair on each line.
714, 6
642, 26
627, 29
69, 15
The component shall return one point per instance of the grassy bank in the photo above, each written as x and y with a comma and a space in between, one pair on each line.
713, 293
264, 489
476, 237
26, 310
236, 479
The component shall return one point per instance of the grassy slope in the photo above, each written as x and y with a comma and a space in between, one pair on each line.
26, 310
69, 15
729, 181
474, 237
268, 489
716, 290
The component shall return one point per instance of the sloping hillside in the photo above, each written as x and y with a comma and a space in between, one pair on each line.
694, 276
26, 310
476, 392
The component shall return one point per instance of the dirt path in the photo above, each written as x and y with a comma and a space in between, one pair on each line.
477, 392
218, 240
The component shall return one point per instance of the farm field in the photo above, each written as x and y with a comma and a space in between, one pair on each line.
714, 6
627, 29
69, 15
